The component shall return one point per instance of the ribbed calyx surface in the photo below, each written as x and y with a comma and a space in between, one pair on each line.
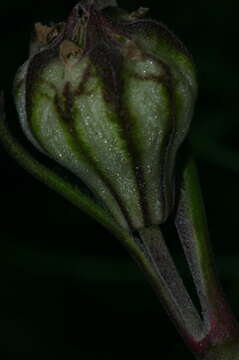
109, 96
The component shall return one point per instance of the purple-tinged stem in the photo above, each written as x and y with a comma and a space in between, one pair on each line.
220, 324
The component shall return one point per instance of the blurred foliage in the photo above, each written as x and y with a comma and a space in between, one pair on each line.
68, 289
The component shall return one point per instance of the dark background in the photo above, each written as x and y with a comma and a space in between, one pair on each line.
67, 287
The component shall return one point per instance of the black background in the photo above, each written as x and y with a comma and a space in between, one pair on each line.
67, 287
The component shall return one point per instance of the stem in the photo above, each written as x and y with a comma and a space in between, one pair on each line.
169, 285
220, 324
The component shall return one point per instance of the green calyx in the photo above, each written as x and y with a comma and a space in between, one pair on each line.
112, 103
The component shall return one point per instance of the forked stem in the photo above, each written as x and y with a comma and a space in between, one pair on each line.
158, 263
220, 324
215, 334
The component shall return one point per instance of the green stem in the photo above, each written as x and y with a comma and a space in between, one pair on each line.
220, 324
155, 258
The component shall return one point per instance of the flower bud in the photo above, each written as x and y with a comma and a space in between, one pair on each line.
109, 96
